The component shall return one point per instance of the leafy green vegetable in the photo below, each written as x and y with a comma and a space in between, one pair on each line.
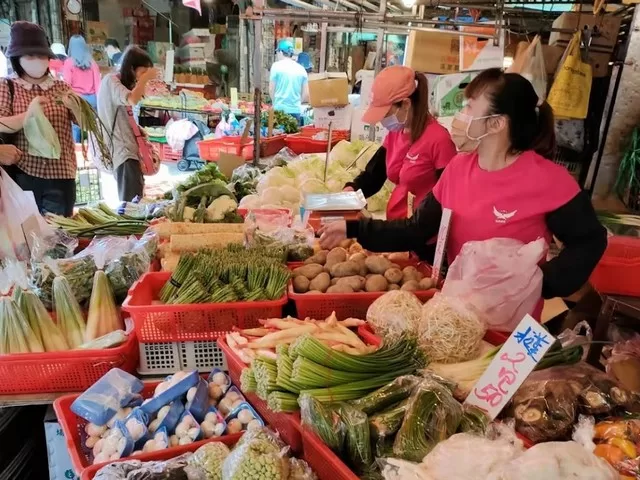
282, 120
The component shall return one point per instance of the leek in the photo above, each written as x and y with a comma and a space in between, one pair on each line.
350, 391
248, 380
68, 312
357, 438
282, 402
323, 421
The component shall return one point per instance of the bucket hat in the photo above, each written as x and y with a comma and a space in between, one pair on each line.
28, 38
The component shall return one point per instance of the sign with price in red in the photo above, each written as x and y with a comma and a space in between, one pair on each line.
511, 366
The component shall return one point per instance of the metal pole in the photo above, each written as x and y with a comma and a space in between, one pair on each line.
257, 90
323, 47
378, 64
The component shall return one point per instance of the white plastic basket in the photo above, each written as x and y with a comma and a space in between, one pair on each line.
166, 358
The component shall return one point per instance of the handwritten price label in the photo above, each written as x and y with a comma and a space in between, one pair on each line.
443, 234
511, 366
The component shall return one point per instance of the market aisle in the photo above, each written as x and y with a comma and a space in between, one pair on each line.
164, 180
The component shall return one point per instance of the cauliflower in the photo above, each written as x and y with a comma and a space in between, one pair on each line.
209, 458
220, 207
188, 214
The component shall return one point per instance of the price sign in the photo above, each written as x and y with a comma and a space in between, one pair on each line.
510, 367
443, 234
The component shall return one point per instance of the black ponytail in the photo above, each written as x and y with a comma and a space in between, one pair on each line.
419, 107
545, 140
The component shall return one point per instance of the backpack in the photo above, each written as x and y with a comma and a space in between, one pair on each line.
7, 138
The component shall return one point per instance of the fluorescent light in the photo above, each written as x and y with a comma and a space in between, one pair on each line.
408, 3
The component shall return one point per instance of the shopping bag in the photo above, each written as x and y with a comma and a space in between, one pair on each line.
500, 277
19, 219
569, 94
530, 64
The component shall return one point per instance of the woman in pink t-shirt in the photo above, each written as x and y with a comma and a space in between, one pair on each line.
417, 147
499, 185
82, 73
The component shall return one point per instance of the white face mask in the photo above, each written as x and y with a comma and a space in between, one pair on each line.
34, 67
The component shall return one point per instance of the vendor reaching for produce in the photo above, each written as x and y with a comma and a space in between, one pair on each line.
417, 147
500, 185
28, 99
118, 92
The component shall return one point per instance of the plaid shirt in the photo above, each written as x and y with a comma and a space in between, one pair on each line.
60, 118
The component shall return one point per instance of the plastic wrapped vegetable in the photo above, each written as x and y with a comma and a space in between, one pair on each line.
545, 407
77, 270
103, 316
259, 455
300, 470
394, 314
357, 438
384, 425
68, 313
16, 334
398, 390
433, 415
208, 460
43, 327
173, 469
323, 421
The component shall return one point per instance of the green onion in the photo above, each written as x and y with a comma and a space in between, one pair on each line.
282, 402
248, 380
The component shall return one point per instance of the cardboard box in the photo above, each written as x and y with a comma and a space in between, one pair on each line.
360, 130
481, 53
431, 52
448, 93
97, 32
603, 40
59, 462
365, 87
192, 52
329, 89
340, 117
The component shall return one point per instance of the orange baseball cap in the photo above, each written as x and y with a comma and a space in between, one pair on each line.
392, 85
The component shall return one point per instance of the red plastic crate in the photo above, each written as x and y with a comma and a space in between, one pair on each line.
286, 424
210, 149
60, 372
618, 272
303, 142
184, 323
75, 436
272, 145
322, 460
345, 305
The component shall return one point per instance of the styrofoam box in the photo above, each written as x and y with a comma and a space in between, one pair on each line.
59, 462
339, 117
360, 130
165, 358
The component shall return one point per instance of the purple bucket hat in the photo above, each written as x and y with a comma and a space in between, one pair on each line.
28, 38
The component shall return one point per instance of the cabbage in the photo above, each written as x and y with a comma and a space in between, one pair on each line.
276, 177
313, 185
378, 203
345, 152
271, 195
364, 160
249, 202
290, 194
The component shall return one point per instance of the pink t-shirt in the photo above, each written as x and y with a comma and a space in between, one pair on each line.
507, 203
412, 167
82, 82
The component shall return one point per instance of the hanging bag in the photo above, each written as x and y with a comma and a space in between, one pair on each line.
149, 158
569, 95
530, 64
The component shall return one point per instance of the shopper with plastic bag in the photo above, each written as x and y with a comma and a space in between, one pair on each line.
39, 125
500, 185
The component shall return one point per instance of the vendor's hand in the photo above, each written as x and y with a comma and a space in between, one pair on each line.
37, 101
9, 155
332, 234
348, 189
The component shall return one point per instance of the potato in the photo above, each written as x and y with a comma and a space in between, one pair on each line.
364, 271
321, 282
340, 289
426, 283
337, 255
377, 264
310, 271
395, 265
315, 292
334, 281
376, 283
346, 243
393, 286
300, 284
410, 286
358, 257
345, 269
393, 275
411, 273
398, 257
320, 258
355, 248
356, 282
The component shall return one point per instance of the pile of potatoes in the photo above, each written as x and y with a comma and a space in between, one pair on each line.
337, 271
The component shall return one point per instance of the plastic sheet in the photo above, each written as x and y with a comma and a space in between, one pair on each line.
500, 277
547, 404
273, 230
323, 420
342, 201
137, 470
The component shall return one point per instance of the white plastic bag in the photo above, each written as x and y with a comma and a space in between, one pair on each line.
500, 278
41, 136
16, 206
530, 64
178, 132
